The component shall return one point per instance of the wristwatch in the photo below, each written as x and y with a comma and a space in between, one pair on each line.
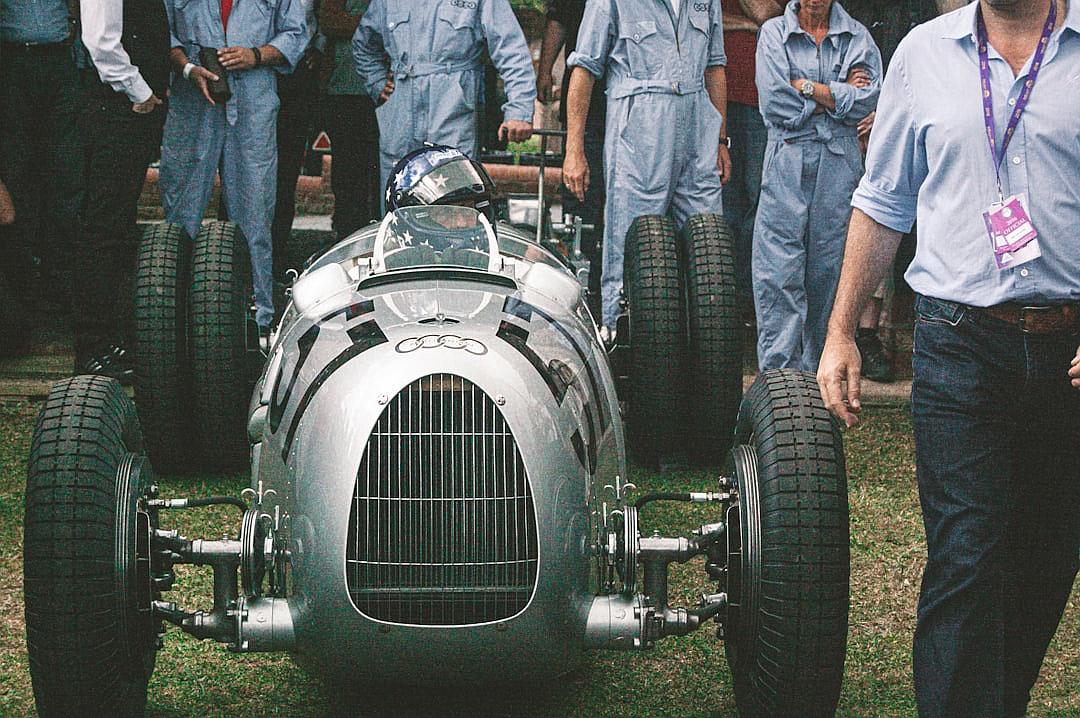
807, 89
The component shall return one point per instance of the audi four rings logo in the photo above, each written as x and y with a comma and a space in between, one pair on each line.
447, 341
467, 4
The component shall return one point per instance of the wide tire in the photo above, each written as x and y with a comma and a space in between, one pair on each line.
91, 649
714, 355
786, 630
162, 366
654, 289
221, 376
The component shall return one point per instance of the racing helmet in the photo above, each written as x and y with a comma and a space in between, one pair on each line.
437, 174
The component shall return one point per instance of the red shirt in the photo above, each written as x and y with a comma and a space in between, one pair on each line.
226, 9
740, 46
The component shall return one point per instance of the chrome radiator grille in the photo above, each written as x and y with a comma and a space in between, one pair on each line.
443, 528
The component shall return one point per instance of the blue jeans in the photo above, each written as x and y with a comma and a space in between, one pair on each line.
997, 448
748, 136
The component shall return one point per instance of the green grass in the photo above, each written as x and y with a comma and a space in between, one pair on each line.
682, 678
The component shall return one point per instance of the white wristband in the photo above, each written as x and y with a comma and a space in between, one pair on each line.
187, 69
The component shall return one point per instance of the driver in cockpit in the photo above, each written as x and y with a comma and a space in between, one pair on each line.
440, 175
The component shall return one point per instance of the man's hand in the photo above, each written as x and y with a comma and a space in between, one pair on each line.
145, 108
202, 78
545, 86
515, 130
575, 174
1074, 370
863, 130
723, 163
236, 58
388, 89
858, 77
840, 364
7, 207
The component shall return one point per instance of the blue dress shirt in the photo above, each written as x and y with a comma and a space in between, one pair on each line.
34, 21
929, 159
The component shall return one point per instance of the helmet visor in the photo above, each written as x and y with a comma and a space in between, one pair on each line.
451, 181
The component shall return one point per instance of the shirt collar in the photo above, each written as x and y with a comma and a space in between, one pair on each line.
961, 23
839, 20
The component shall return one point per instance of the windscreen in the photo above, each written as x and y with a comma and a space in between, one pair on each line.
436, 235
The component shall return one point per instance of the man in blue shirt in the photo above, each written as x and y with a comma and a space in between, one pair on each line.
818, 75
421, 61
256, 41
40, 151
666, 150
996, 387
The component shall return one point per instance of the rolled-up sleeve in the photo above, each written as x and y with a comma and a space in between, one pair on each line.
896, 162
102, 28
290, 33
510, 54
854, 103
595, 39
781, 104
717, 56
369, 51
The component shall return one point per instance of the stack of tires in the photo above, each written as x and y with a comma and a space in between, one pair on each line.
685, 358
193, 373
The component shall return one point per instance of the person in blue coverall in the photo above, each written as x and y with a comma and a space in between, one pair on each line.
255, 40
818, 74
429, 90
663, 61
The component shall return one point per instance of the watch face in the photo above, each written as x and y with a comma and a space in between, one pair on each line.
808, 88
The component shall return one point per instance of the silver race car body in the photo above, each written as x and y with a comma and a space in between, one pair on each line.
433, 439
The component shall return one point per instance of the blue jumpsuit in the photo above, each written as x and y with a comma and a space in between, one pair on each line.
435, 50
812, 166
239, 138
663, 131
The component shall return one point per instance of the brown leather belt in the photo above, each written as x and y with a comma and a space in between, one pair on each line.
1036, 320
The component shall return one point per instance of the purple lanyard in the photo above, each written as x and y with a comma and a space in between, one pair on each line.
1025, 94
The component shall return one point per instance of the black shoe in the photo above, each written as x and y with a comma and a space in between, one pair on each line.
112, 362
875, 363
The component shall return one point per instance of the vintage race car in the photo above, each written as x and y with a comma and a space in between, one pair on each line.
438, 467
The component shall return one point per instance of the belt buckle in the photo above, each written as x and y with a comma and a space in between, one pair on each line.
677, 87
1024, 317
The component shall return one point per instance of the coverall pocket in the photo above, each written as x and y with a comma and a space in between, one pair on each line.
397, 33
641, 53
699, 17
454, 34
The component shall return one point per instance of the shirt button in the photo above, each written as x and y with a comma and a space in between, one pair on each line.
1016, 160
637, 38
1024, 272
1012, 102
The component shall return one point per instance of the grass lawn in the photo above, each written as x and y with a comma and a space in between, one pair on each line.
682, 678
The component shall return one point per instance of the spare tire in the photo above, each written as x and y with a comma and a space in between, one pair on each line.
714, 353
221, 378
788, 575
654, 290
90, 632
162, 367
